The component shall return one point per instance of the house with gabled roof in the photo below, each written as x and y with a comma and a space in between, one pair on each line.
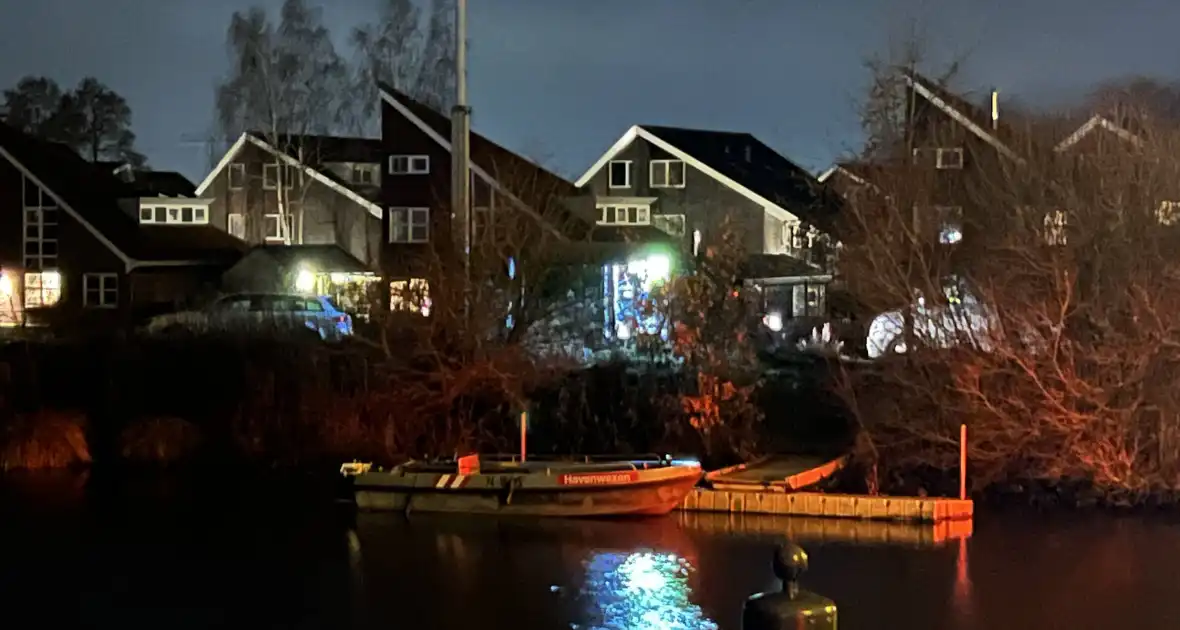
693, 183
506, 187
82, 247
288, 189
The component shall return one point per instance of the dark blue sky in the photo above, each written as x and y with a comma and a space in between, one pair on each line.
560, 80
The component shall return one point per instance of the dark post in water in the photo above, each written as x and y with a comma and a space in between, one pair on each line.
792, 607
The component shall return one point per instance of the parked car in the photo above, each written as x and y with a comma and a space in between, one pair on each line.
271, 312
962, 318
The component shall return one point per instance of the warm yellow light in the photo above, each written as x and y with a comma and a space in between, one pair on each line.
305, 281
5, 285
50, 280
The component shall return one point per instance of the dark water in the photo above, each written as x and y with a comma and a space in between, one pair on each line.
177, 563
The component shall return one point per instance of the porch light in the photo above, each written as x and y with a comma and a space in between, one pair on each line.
5, 285
305, 281
773, 321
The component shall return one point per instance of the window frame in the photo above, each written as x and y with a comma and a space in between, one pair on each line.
278, 218
408, 214
667, 169
41, 289
610, 174
240, 169
108, 286
415, 164
641, 212
941, 164
241, 221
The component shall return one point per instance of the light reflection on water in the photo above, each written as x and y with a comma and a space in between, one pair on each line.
642, 590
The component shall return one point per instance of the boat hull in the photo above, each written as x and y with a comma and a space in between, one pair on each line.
610, 493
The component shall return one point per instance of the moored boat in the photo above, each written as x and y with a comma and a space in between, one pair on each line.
473, 485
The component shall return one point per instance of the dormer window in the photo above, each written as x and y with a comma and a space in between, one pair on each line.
173, 211
619, 174
948, 158
615, 214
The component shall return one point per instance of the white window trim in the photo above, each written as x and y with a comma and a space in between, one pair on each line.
672, 224
409, 214
667, 168
941, 163
55, 291
43, 204
194, 204
642, 213
280, 219
240, 220
103, 280
240, 168
610, 173
270, 167
415, 165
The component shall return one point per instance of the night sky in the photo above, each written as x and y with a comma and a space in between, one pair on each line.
561, 80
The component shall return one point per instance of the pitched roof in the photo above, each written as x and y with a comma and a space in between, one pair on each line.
766, 177
1001, 136
1099, 122
162, 184
509, 173
90, 194
312, 166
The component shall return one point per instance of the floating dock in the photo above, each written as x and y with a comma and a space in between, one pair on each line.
773, 486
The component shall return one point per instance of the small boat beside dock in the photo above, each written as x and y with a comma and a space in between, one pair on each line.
561, 488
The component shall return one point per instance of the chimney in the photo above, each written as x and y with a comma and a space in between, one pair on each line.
995, 109
747, 153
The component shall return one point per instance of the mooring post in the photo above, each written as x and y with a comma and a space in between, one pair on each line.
790, 608
963, 462
524, 435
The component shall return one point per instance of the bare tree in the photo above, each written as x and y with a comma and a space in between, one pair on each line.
399, 50
1048, 329
286, 83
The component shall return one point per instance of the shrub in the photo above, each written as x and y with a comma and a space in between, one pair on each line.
44, 440
160, 441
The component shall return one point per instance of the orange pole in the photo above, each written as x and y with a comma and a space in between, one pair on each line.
524, 429
963, 461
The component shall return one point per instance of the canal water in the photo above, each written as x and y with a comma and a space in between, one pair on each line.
179, 563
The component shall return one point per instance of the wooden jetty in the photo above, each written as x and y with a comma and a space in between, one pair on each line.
774, 485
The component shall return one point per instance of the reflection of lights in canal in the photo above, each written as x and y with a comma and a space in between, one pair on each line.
643, 590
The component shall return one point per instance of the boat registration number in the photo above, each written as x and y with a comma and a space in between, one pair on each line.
598, 479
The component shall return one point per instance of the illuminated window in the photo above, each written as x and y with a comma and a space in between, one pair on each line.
950, 224
1168, 212
100, 290
42, 288
1056, 225
411, 295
